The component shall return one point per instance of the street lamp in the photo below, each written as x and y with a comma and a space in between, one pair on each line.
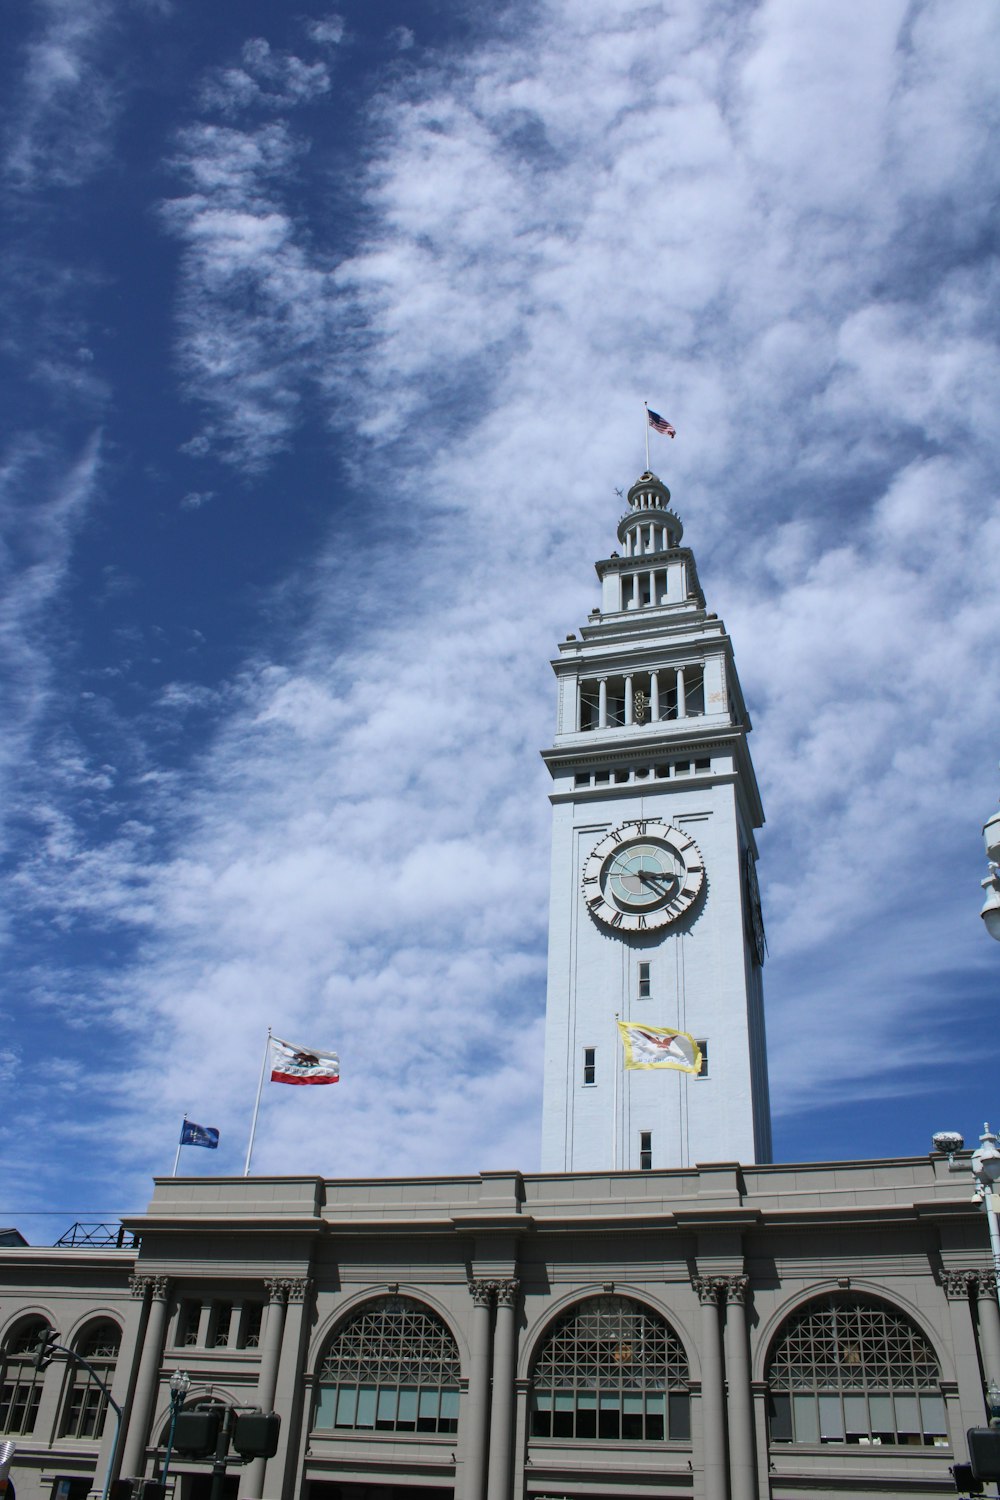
180, 1384
991, 885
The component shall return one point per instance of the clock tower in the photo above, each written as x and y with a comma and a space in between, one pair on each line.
655, 913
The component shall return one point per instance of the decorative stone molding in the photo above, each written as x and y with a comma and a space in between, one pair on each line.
957, 1284
708, 1288
506, 1291
481, 1292
986, 1284
155, 1286
736, 1288
287, 1288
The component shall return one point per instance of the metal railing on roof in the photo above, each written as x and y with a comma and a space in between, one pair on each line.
113, 1236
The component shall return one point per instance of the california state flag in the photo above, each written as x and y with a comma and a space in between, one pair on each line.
291, 1064
657, 1047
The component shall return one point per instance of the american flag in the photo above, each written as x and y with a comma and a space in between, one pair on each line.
660, 423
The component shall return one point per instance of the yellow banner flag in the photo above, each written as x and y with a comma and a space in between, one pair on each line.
658, 1047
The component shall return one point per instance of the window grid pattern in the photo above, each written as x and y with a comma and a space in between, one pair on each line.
611, 1369
87, 1403
854, 1370
393, 1368
21, 1384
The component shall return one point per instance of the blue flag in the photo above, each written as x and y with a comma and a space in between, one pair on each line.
199, 1135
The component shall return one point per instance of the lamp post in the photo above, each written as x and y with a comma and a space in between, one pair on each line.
991, 885
180, 1384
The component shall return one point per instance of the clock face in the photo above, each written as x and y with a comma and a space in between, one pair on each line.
642, 876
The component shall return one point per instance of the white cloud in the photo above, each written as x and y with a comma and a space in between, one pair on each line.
65, 106
43, 500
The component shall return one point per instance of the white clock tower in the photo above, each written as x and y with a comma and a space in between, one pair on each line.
655, 914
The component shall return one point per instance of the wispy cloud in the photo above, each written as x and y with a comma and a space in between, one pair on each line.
43, 500
66, 103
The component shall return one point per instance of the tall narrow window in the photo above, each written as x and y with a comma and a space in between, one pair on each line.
187, 1322
590, 1065
645, 980
703, 1049
221, 1322
21, 1383
645, 1150
87, 1402
253, 1314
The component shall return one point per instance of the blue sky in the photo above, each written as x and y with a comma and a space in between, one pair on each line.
326, 337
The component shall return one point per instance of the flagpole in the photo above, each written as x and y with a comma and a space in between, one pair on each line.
614, 1123
256, 1107
177, 1155
646, 405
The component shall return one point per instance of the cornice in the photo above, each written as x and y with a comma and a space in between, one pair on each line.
605, 751
633, 630
623, 564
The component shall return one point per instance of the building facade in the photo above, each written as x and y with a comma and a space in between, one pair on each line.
654, 911
718, 1332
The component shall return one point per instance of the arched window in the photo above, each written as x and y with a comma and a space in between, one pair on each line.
611, 1368
851, 1369
21, 1383
86, 1403
393, 1367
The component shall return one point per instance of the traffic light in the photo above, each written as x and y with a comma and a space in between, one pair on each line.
256, 1434
45, 1353
984, 1452
197, 1432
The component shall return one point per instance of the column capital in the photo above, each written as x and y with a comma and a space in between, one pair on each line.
156, 1287
735, 1289
986, 1283
708, 1288
481, 1292
957, 1283
506, 1291
287, 1288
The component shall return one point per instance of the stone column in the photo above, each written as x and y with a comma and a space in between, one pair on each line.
989, 1325
956, 1285
681, 699
502, 1403
602, 703
475, 1418
635, 591
712, 1394
628, 698
652, 589
654, 697
742, 1465
154, 1289
252, 1478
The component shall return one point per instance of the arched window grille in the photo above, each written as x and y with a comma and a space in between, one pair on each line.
20, 1383
852, 1369
393, 1367
611, 1368
86, 1403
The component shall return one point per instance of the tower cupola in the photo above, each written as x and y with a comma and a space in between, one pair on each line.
650, 526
